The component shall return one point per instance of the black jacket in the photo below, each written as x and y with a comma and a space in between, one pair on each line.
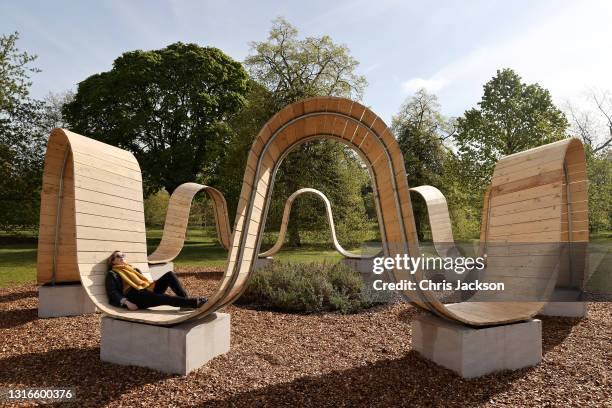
114, 288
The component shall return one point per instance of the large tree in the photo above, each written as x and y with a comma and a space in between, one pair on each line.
512, 116
290, 69
53, 105
169, 107
421, 130
245, 125
294, 69
593, 126
21, 138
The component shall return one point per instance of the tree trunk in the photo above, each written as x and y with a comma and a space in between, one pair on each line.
294, 235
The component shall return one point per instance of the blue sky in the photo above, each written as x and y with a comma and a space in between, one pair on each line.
450, 47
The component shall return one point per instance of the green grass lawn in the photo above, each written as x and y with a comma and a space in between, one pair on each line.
17, 263
18, 259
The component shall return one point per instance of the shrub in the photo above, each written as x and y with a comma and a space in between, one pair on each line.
309, 288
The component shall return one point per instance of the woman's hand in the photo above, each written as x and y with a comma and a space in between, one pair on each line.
130, 305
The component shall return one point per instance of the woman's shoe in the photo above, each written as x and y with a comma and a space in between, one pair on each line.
200, 301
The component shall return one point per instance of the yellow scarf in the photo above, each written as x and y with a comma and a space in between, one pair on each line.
132, 278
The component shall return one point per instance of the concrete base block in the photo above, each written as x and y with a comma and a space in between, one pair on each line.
64, 300
157, 270
178, 349
362, 265
565, 309
472, 352
565, 303
262, 262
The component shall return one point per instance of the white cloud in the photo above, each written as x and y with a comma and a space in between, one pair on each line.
432, 85
565, 53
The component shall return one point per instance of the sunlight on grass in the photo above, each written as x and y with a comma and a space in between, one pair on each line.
17, 264
202, 250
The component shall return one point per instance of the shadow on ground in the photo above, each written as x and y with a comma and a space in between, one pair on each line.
55, 369
407, 381
555, 330
17, 317
10, 297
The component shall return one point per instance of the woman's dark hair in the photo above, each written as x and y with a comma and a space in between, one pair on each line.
111, 258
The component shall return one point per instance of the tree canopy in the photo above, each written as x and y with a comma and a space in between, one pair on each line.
420, 130
21, 138
512, 116
294, 69
169, 107
290, 69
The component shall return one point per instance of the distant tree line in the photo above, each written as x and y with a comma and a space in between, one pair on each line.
191, 113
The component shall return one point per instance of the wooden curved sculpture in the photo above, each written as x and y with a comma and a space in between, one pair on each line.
177, 218
330, 220
84, 215
439, 220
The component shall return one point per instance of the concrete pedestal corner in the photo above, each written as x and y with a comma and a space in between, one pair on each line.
565, 309
158, 270
178, 349
64, 300
473, 352
364, 266
262, 263
565, 303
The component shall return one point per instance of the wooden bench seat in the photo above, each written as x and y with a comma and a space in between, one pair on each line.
92, 201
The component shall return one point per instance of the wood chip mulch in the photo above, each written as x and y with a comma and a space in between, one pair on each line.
281, 359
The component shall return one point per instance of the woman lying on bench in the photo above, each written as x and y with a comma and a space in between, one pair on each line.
127, 287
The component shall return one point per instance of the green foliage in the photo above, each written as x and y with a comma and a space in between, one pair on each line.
290, 69
314, 287
420, 129
512, 116
294, 69
169, 107
21, 139
594, 127
464, 204
599, 170
155, 207
246, 124
335, 171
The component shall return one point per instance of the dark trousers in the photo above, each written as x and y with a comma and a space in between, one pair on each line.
145, 299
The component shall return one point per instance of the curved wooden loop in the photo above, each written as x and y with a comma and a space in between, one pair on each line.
439, 220
177, 220
330, 220
88, 212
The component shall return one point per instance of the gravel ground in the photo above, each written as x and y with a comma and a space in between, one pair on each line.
301, 360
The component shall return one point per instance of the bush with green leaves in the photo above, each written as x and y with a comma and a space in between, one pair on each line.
310, 288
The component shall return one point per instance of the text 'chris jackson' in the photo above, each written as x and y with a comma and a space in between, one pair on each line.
411, 264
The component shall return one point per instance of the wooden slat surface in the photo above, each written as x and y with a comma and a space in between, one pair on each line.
330, 221
439, 220
177, 218
518, 179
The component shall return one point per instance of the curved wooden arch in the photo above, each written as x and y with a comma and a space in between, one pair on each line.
330, 220
177, 218
539, 196
529, 175
369, 136
439, 220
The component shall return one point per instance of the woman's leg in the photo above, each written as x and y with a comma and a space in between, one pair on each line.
145, 299
169, 280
